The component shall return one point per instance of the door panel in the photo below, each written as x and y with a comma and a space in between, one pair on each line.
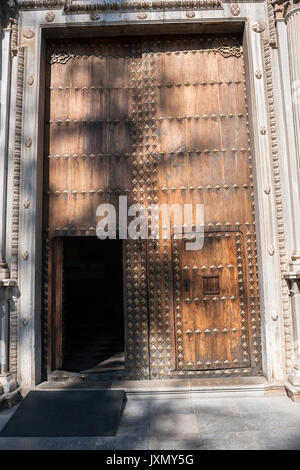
212, 317
203, 157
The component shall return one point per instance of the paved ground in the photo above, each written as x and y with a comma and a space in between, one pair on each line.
240, 423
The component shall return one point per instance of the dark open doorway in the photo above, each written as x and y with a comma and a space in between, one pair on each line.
93, 314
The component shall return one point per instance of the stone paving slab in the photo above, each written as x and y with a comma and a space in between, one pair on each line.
191, 424
176, 426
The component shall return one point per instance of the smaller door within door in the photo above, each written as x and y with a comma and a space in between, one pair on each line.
92, 319
211, 318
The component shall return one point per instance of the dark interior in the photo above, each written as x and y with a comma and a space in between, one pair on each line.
93, 315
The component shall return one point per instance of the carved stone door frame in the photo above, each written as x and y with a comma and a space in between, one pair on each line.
28, 70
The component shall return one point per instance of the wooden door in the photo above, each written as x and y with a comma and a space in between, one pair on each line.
203, 156
161, 119
89, 145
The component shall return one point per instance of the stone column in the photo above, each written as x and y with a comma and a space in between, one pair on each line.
289, 12
4, 120
293, 387
8, 386
292, 20
9, 392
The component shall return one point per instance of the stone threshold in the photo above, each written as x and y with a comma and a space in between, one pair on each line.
177, 389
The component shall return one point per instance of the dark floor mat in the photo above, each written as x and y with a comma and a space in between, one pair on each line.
67, 413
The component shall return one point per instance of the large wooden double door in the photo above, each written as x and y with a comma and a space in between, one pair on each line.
160, 120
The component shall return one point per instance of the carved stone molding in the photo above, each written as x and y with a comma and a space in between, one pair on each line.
259, 27
28, 34
25, 255
118, 5
50, 16
41, 3
271, 24
293, 280
133, 5
26, 203
30, 80
141, 16
28, 142
16, 206
235, 9
283, 7
267, 54
95, 16
263, 130
190, 14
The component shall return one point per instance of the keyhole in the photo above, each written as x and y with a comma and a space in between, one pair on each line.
186, 284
